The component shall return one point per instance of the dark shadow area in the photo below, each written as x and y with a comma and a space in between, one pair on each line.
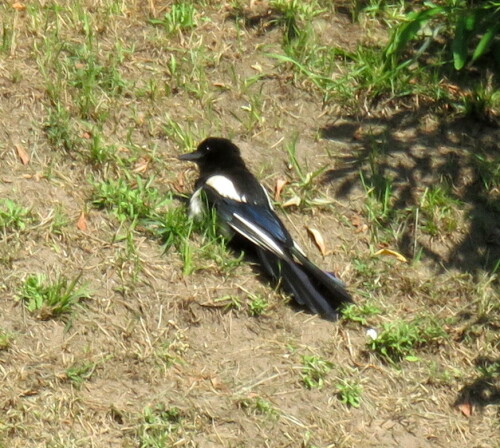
240, 246
484, 390
411, 151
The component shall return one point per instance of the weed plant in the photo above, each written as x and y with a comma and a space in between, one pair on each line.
52, 298
158, 426
13, 217
5, 340
349, 392
400, 340
314, 371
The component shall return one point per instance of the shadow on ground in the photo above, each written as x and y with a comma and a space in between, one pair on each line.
484, 390
413, 151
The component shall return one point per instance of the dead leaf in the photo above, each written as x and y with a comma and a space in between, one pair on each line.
280, 183
217, 384
257, 67
356, 220
18, 6
465, 408
23, 155
81, 224
293, 201
141, 165
392, 253
318, 239
180, 181
140, 118
358, 134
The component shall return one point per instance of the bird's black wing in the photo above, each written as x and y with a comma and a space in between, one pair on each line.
320, 291
257, 223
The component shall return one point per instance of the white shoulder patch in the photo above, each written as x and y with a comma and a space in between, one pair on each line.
225, 188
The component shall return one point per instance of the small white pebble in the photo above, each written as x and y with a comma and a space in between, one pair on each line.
372, 333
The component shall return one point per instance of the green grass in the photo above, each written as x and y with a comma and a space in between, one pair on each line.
199, 242
314, 371
259, 406
349, 392
438, 208
180, 17
13, 217
360, 313
401, 340
229, 303
304, 190
131, 198
373, 74
159, 424
51, 298
60, 221
104, 89
59, 128
5, 340
79, 372
257, 306
171, 351
99, 152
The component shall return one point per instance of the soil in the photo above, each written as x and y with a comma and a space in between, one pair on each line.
160, 340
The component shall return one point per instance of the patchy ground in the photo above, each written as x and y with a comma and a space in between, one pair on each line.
92, 91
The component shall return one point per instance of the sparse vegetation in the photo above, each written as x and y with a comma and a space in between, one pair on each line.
349, 392
375, 122
259, 405
5, 340
51, 298
13, 216
360, 313
257, 306
131, 199
400, 340
80, 372
160, 424
314, 371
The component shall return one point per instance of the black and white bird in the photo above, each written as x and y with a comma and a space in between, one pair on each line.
243, 207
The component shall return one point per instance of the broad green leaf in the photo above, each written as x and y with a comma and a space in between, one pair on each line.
485, 41
409, 30
470, 19
459, 44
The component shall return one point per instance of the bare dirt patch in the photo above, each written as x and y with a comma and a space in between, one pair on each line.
153, 358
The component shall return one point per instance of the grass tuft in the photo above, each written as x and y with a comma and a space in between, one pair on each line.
5, 340
360, 313
80, 372
13, 216
182, 16
349, 392
50, 299
314, 371
400, 340
132, 198
158, 426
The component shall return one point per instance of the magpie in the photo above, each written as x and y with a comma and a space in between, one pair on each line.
243, 207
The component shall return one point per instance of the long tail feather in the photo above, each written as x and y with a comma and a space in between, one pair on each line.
327, 280
309, 287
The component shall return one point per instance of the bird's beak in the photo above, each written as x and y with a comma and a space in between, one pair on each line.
192, 156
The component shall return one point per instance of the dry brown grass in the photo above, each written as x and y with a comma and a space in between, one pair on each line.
161, 362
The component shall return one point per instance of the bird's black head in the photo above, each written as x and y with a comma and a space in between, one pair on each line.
214, 154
